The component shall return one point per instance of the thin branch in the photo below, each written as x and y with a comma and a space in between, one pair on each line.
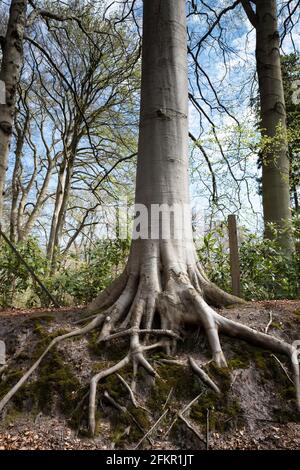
250, 12
151, 429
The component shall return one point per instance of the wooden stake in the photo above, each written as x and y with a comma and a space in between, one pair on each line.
234, 256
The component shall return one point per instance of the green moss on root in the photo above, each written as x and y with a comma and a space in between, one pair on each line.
113, 385
224, 411
237, 363
276, 325
115, 352
55, 380
183, 382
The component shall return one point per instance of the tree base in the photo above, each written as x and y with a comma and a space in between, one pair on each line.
152, 315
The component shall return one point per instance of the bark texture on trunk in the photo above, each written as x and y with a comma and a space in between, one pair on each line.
10, 73
61, 179
16, 178
162, 267
275, 163
28, 225
162, 169
63, 193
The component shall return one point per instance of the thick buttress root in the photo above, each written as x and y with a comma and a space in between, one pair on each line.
133, 307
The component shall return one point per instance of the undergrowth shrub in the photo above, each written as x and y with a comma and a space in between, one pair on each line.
17, 287
266, 272
78, 281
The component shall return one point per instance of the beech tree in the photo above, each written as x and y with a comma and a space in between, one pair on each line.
98, 76
275, 158
163, 286
11, 64
75, 98
291, 75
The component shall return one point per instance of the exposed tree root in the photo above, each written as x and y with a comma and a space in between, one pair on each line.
131, 394
187, 423
146, 436
203, 375
283, 368
124, 410
157, 305
92, 325
180, 415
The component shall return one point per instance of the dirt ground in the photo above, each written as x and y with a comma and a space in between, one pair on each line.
262, 412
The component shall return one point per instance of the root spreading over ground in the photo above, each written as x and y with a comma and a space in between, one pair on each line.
150, 309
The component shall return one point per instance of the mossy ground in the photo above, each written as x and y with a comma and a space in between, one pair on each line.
55, 383
296, 313
57, 388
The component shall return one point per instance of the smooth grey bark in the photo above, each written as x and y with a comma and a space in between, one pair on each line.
275, 159
15, 184
275, 165
162, 168
57, 207
11, 64
28, 225
62, 196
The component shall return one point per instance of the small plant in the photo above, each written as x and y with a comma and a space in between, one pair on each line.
15, 280
78, 281
266, 272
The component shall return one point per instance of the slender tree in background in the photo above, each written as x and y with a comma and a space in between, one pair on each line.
163, 286
275, 159
291, 77
11, 64
71, 123
100, 80
22, 124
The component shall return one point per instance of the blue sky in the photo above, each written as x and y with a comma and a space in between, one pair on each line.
233, 80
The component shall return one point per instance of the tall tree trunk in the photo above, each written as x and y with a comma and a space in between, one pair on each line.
27, 227
275, 162
63, 189
162, 169
10, 73
162, 166
57, 206
63, 210
62, 200
15, 184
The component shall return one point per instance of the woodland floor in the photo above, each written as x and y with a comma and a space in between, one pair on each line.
257, 409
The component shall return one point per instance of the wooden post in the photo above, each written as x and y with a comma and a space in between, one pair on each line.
30, 270
234, 256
